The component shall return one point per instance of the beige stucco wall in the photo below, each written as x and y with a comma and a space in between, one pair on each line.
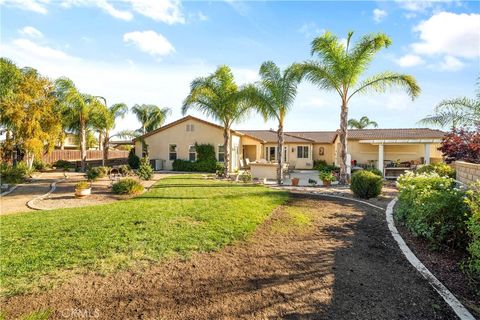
158, 143
292, 155
467, 172
329, 152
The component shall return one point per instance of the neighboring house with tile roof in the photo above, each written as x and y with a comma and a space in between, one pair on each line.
367, 146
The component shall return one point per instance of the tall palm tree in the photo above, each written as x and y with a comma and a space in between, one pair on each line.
150, 116
219, 97
363, 123
459, 112
340, 67
274, 95
77, 111
105, 122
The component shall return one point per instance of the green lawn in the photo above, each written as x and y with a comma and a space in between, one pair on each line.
180, 214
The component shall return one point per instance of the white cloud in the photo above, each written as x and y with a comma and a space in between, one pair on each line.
167, 11
379, 15
102, 4
310, 30
449, 33
450, 63
32, 32
414, 5
40, 51
150, 42
30, 5
409, 60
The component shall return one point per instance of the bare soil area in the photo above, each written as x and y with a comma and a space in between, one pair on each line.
313, 259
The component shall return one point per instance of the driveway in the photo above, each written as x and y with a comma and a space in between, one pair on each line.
315, 258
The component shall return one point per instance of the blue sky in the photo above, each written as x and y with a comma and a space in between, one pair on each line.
141, 51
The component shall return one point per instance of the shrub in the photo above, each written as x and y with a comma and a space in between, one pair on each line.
461, 144
127, 186
82, 185
366, 184
145, 170
13, 174
433, 208
441, 168
473, 228
374, 171
326, 176
246, 177
39, 165
97, 172
206, 161
133, 159
65, 165
125, 170
321, 165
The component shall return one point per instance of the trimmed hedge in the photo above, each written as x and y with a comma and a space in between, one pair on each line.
366, 184
206, 160
127, 186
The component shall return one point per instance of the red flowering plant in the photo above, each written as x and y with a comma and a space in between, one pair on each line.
461, 144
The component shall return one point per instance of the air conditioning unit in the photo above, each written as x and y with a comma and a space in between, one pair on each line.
157, 164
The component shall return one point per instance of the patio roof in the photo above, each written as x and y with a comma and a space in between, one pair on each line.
394, 134
270, 136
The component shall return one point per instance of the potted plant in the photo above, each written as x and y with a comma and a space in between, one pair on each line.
83, 189
295, 181
327, 177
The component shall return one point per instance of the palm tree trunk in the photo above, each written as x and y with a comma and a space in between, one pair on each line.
105, 148
83, 145
343, 142
226, 149
280, 151
100, 140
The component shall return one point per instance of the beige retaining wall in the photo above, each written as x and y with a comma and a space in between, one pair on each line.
467, 172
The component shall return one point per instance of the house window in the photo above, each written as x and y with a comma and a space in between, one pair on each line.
190, 127
192, 153
271, 153
221, 153
172, 149
302, 152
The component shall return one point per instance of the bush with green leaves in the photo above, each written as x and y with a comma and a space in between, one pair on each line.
366, 184
374, 170
14, 174
145, 170
326, 176
39, 165
206, 161
133, 159
473, 227
321, 165
82, 185
63, 164
441, 168
127, 186
245, 177
97, 172
432, 207
125, 170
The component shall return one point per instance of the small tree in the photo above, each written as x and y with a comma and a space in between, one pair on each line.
461, 144
145, 171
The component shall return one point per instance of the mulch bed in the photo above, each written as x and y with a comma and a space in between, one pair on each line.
344, 265
447, 267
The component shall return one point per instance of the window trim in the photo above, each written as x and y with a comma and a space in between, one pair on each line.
218, 153
189, 153
170, 153
301, 155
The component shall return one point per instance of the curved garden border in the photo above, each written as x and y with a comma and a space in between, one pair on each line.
31, 203
449, 298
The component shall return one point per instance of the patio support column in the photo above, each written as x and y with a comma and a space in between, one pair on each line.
427, 153
380, 157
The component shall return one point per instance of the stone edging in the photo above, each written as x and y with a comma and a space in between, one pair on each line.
449, 298
9, 190
31, 203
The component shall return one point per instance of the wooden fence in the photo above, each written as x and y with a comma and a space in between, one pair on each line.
74, 155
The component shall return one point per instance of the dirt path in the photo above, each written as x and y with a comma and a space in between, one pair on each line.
314, 259
17, 199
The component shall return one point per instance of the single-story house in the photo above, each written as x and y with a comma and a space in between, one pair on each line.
366, 146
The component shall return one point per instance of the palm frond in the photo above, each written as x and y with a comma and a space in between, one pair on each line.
383, 81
